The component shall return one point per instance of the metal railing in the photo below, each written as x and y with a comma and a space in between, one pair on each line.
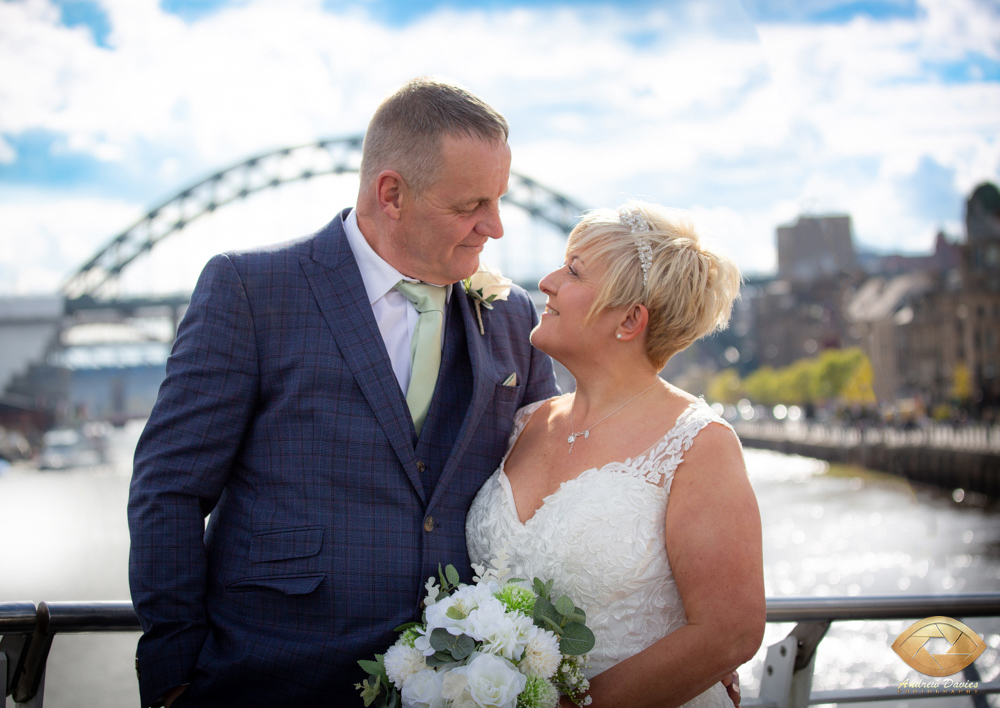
27, 633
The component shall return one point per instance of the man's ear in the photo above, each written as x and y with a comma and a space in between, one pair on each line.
633, 323
390, 192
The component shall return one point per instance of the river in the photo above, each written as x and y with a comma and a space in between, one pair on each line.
64, 536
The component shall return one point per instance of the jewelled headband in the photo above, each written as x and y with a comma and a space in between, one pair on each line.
631, 217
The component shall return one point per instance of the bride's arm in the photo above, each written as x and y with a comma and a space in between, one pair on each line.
713, 540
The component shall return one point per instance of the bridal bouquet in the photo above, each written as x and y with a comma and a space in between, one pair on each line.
493, 644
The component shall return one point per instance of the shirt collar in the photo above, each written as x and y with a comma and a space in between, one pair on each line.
379, 277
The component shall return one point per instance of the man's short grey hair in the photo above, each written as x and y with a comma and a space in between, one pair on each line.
405, 133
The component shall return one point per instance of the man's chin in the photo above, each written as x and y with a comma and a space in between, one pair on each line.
469, 268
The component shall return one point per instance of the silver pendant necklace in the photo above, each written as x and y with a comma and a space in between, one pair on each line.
586, 433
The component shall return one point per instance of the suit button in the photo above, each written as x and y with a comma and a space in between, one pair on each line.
429, 524
421, 466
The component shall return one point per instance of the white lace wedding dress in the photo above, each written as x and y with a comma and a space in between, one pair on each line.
600, 539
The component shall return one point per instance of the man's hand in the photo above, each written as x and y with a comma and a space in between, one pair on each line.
170, 696
732, 684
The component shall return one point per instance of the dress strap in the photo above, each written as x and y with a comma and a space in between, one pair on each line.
521, 418
666, 456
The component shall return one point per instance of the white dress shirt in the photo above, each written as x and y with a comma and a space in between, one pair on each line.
396, 316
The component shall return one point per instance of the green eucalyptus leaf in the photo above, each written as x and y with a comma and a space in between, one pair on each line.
545, 610
392, 700
455, 613
404, 627
441, 640
439, 659
452, 574
463, 647
546, 623
576, 639
456, 647
565, 606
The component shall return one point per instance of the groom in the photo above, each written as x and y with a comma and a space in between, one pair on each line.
334, 423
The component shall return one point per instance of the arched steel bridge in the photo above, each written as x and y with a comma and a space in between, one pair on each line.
96, 279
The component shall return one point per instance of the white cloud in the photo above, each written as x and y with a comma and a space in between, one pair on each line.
741, 131
45, 237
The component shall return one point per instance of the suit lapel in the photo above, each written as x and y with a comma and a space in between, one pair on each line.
484, 378
336, 283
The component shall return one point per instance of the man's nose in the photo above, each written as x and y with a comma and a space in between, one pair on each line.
490, 225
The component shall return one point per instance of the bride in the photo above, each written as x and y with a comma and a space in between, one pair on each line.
631, 494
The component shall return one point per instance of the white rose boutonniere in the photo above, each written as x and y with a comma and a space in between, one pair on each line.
486, 286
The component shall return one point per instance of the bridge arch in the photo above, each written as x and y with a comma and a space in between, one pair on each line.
94, 280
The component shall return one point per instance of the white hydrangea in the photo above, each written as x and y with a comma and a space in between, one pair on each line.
452, 612
402, 662
541, 655
505, 633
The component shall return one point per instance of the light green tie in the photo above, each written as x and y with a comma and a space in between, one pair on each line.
425, 347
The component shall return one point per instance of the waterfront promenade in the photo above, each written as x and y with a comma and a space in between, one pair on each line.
963, 458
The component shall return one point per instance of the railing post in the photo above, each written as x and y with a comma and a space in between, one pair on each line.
30, 688
18, 621
776, 683
788, 667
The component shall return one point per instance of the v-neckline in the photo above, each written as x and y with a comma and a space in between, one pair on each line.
509, 489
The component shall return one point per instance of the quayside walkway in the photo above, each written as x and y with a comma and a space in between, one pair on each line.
28, 632
951, 457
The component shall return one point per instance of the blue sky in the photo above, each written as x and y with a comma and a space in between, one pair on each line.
747, 113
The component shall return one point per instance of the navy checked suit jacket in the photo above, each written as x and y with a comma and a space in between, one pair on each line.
280, 417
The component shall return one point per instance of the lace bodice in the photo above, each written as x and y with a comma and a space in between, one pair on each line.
600, 538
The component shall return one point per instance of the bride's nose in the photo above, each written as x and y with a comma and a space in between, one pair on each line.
548, 284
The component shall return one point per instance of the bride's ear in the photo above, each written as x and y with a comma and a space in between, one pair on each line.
633, 323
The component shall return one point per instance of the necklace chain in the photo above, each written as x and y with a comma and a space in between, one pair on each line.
586, 433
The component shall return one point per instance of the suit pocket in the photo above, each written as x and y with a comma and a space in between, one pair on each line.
285, 605
285, 544
301, 584
507, 394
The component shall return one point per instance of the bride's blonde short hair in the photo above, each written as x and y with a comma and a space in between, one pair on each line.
690, 289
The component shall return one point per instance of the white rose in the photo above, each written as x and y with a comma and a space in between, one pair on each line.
492, 682
453, 685
423, 690
492, 284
